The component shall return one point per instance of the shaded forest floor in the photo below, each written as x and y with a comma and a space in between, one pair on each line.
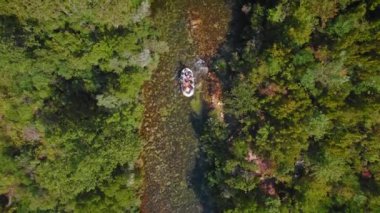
192, 29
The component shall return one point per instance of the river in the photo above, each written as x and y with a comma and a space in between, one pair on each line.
172, 182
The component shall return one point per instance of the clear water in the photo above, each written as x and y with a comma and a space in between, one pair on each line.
171, 144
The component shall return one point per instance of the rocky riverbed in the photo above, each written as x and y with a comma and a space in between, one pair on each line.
192, 31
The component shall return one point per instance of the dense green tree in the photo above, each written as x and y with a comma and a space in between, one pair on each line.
69, 115
304, 96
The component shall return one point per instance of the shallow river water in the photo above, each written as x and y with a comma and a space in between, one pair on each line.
192, 29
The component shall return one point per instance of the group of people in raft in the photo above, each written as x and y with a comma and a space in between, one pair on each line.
187, 80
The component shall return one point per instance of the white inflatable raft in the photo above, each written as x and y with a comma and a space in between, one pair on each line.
187, 82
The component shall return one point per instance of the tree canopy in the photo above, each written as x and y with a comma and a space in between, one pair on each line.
70, 110
303, 111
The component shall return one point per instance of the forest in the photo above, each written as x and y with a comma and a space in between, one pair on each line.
299, 99
302, 97
71, 73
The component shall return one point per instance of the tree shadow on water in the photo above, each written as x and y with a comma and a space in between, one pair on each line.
197, 178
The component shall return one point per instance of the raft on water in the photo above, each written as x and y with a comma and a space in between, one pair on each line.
187, 82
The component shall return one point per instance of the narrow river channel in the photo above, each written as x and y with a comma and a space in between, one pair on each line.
192, 29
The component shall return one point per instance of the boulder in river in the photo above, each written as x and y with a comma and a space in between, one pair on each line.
200, 68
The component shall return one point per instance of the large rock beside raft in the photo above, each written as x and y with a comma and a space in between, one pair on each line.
200, 69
